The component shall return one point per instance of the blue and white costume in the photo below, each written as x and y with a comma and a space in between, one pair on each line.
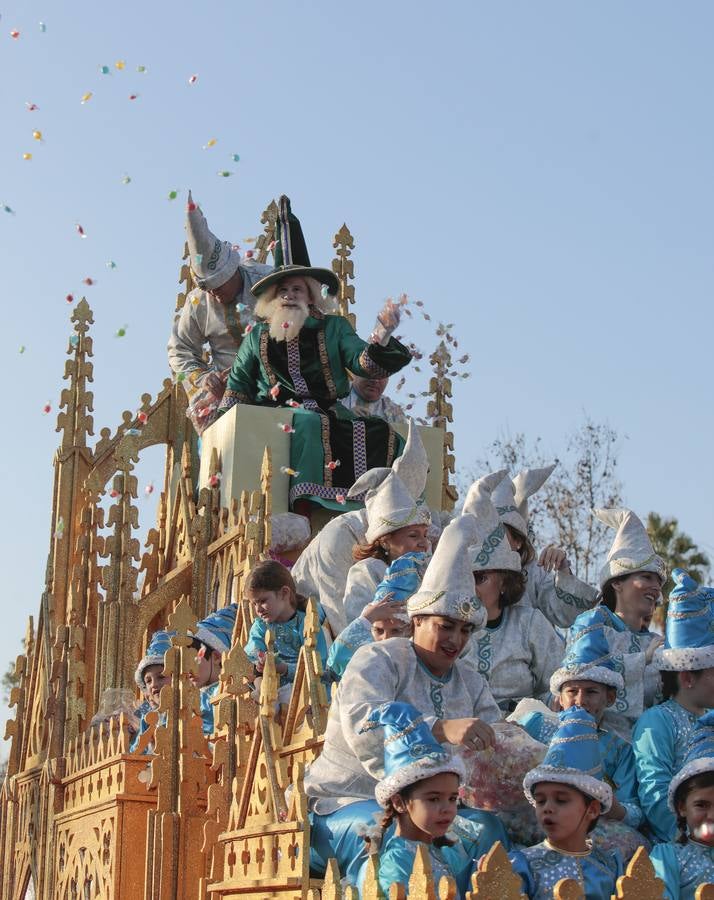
400, 581
662, 735
683, 867
159, 644
340, 783
288, 638
573, 758
216, 632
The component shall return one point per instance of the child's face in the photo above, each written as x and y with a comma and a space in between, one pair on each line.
430, 809
589, 695
272, 606
383, 629
154, 680
563, 812
208, 665
410, 539
698, 810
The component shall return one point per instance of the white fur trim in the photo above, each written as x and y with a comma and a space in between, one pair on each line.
695, 767
417, 771
599, 674
143, 666
593, 787
685, 659
210, 640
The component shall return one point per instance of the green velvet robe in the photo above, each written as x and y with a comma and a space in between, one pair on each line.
310, 369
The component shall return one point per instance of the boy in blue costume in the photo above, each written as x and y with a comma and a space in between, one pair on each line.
662, 734
150, 678
213, 638
378, 622
569, 794
686, 863
588, 678
419, 793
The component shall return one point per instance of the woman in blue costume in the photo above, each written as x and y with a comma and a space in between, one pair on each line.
213, 637
419, 795
299, 354
425, 671
587, 677
631, 582
661, 735
686, 863
569, 794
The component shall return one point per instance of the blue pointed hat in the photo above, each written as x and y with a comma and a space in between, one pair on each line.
588, 659
689, 641
700, 755
402, 578
158, 645
573, 758
411, 752
216, 630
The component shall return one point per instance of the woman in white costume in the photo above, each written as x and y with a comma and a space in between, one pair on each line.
426, 671
631, 581
550, 585
518, 649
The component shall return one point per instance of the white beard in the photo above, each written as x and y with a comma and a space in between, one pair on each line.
295, 319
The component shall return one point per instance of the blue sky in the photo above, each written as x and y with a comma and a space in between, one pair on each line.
538, 173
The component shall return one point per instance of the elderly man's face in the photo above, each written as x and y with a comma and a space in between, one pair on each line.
293, 293
369, 389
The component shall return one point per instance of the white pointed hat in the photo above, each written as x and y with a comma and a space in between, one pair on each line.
632, 550
448, 585
392, 498
510, 497
213, 261
491, 549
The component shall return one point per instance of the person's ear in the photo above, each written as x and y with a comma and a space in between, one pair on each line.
611, 695
593, 810
398, 803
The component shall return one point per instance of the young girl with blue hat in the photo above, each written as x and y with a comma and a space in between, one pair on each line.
569, 795
419, 793
661, 735
686, 863
213, 637
382, 619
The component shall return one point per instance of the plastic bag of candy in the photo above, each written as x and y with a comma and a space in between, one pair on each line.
114, 702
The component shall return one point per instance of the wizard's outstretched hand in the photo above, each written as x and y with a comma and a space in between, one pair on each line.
388, 319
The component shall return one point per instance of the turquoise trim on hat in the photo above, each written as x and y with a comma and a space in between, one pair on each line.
158, 645
216, 630
689, 630
573, 758
588, 658
411, 752
699, 758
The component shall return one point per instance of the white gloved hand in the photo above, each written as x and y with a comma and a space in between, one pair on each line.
387, 320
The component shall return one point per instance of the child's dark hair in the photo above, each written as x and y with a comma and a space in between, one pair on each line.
390, 813
270, 575
695, 783
670, 682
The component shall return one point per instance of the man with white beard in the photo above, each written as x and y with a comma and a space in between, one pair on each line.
298, 355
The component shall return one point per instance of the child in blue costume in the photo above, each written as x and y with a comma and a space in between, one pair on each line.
686, 863
377, 622
569, 795
661, 735
588, 678
279, 609
150, 678
213, 638
419, 793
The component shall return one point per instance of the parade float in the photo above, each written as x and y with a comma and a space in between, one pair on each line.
183, 817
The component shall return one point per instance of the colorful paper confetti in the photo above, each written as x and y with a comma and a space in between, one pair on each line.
120, 332
105, 70
21, 348
214, 480
211, 143
120, 65
74, 340
31, 107
86, 97
111, 264
224, 173
141, 70
133, 96
90, 282
43, 27
37, 135
332, 464
126, 179
274, 391
14, 34
149, 489
142, 417
27, 156
80, 231
8, 209
287, 429
193, 79
235, 157
286, 470
47, 408
173, 195
340, 498
69, 298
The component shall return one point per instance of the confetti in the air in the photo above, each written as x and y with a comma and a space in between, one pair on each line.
173, 195
111, 264
293, 404
133, 96
47, 408
90, 282
14, 34
69, 298
80, 231
21, 349
211, 143
126, 179
247, 330
114, 493
193, 79
74, 340
288, 429
86, 97
43, 27
224, 173
31, 107
236, 157
214, 480
149, 489
120, 65
286, 470
8, 209
141, 70
285, 325
120, 332
105, 70
332, 464
37, 135
142, 417
340, 498
27, 156
274, 391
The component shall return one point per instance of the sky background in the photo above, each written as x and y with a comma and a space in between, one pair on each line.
538, 173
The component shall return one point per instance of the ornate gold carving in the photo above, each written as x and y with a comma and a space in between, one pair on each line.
568, 889
496, 878
343, 267
441, 413
639, 881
